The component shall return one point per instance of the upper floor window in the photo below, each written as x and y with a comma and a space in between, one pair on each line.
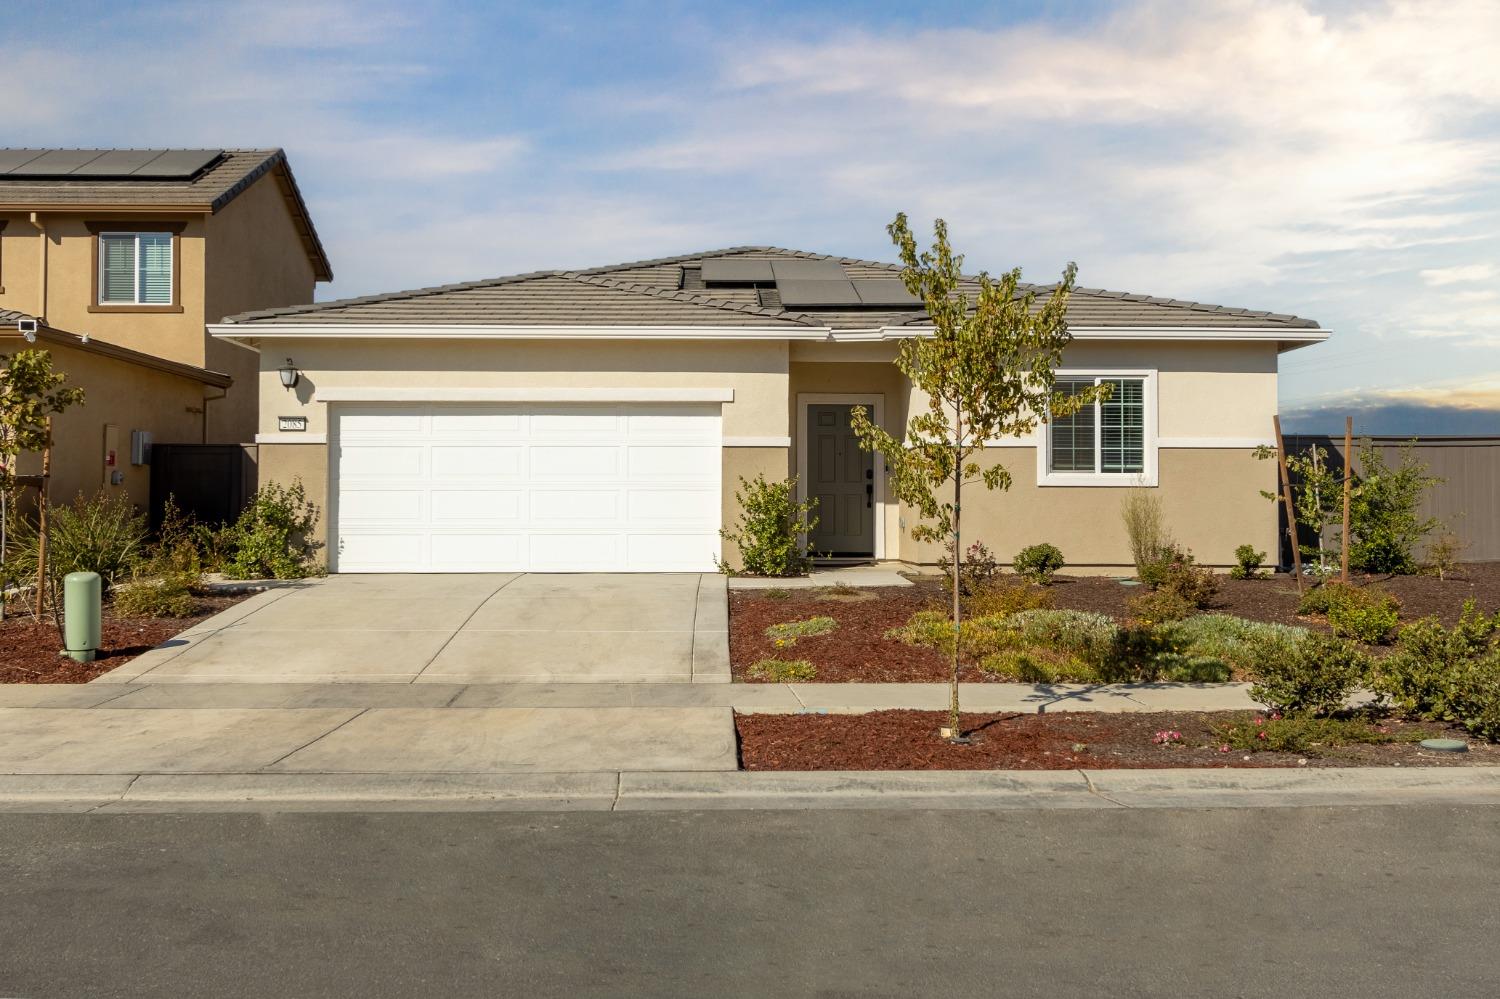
1109, 442
135, 268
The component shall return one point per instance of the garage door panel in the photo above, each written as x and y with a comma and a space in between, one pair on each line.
576, 462
476, 461
654, 461
381, 505
499, 506
513, 487
383, 461
489, 551
585, 507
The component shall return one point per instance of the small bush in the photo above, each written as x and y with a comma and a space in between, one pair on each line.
977, 570
1474, 701
1247, 562
101, 533
1316, 601
163, 596
933, 629
1146, 528
1364, 614
1444, 553
1423, 677
1004, 599
1384, 516
772, 525
1298, 735
1175, 572
1312, 676
1038, 562
1088, 637
783, 670
776, 593
788, 632
1174, 667
1158, 606
1229, 639
273, 536
1026, 667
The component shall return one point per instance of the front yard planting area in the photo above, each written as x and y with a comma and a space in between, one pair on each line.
30, 649
907, 740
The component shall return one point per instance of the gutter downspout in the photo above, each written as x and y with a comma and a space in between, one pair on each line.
41, 312
206, 400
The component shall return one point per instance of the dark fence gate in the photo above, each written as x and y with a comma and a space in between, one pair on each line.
210, 482
1466, 502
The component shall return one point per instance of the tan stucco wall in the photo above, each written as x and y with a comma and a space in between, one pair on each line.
756, 371
746, 462
1210, 496
255, 260
286, 463
125, 396
248, 256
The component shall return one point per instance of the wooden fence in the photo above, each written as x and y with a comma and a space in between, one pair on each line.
1467, 501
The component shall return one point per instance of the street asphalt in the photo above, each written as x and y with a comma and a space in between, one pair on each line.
1284, 902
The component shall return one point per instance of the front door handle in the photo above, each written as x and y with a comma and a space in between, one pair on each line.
869, 495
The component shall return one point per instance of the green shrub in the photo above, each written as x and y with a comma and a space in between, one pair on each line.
1475, 698
977, 570
1027, 667
100, 533
1362, 613
1158, 606
1247, 562
1316, 601
1038, 562
1300, 734
160, 596
933, 629
1433, 673
783, 670
1175, 572
1229, 639
772, 525
1384, 518
273, 536
1174, 667
1312, 676
1088, 637
788, 632
1001, 599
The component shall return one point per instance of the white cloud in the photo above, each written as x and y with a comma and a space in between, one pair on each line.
1439, 276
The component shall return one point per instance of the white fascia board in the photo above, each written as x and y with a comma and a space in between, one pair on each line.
343, 331
1217, 334
379, 393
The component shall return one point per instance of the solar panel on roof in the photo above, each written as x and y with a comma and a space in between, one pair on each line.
175, 164
117, 163
888, 292
803, 294
56, 163
736, 270
807, 270
12, 158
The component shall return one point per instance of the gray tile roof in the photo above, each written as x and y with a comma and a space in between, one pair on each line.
665, 292
206, 191
9, 317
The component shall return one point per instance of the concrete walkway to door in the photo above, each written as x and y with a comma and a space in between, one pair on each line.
492, 628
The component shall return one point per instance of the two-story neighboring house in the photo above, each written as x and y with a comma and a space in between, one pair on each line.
121, 257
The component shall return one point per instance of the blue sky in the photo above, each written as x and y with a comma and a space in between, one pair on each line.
1336, 160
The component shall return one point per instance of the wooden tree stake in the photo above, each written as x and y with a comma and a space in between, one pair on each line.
41, 526
1286, 494
1348, 483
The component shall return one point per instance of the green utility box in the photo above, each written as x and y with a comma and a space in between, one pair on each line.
83, 598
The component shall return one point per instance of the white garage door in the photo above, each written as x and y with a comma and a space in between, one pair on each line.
525, 487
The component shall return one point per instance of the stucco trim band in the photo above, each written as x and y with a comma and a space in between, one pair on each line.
757, 442
498, 394
291, 438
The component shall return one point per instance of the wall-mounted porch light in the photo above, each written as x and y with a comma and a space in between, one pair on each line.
290, 376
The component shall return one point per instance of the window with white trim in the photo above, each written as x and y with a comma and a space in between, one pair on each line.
1107, 437
135, 268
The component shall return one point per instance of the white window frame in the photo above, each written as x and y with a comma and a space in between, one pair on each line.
135, 269
1146, 477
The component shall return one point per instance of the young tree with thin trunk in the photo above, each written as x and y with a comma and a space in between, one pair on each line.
988, 371
31, 393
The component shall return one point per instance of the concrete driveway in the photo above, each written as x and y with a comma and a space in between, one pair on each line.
493, 628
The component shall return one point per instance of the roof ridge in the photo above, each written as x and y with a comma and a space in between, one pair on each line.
392, 296
679, 295
676, 259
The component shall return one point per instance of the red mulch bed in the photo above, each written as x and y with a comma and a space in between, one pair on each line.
29, 650
858, 651
908, 740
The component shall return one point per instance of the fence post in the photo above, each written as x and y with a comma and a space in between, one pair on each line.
1286, 493
1348, 482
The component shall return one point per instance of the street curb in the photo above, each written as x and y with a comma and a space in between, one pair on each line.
740, 790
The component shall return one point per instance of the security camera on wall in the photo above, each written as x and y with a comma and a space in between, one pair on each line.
28, 329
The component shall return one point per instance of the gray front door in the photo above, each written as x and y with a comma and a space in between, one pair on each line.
841, 475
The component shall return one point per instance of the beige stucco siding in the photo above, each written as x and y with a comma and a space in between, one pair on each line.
756, 372
126, 396
255, 260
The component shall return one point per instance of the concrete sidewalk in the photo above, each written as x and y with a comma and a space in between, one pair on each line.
782, 698
699, 791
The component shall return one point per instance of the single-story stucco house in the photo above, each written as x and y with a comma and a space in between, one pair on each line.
601, 419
